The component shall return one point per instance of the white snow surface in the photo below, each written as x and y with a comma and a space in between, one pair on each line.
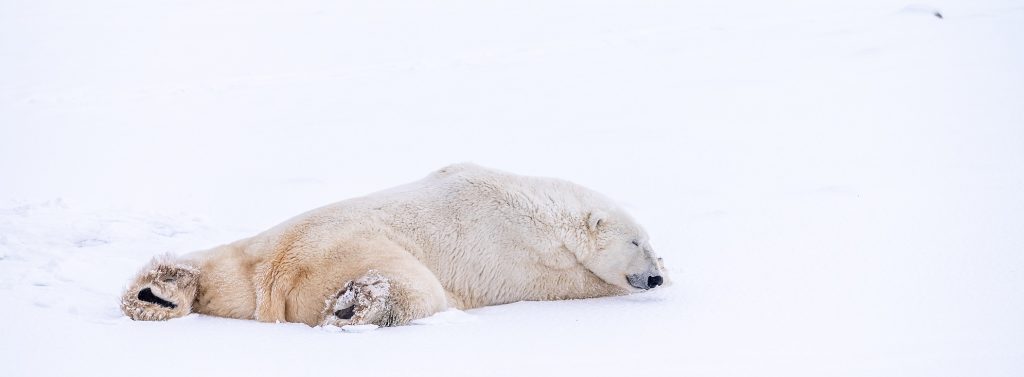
837, 187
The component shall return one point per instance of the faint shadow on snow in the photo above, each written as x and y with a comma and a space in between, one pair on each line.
90, 242
352, 328
447, 317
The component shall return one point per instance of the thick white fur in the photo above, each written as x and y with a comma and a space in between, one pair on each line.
465, 237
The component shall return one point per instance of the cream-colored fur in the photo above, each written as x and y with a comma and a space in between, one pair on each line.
465, 237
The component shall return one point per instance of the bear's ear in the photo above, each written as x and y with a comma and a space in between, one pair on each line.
595, 219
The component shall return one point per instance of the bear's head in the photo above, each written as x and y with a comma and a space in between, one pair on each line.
619, 252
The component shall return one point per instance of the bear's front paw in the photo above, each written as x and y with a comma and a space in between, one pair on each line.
163, 290
366, 300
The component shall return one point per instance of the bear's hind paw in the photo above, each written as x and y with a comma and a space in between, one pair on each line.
366, 300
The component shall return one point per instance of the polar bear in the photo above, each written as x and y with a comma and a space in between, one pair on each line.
463, 237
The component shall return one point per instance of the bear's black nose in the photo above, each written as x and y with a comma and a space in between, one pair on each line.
654, 281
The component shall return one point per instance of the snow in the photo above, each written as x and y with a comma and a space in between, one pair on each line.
836, 186
359, 328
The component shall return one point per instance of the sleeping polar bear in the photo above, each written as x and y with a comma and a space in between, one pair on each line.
463, 237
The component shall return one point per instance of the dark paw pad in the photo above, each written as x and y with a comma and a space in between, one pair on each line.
148, 296
346, 313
